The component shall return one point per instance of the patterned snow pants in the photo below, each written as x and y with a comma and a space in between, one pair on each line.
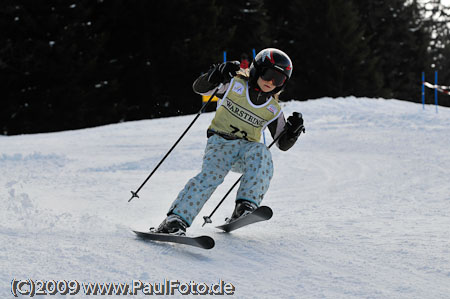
252, 159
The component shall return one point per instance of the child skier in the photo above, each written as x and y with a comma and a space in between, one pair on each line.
249, 104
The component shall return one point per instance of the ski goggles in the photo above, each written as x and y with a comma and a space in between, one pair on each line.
276, 77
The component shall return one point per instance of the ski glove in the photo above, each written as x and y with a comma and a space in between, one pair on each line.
295, 125
224, 72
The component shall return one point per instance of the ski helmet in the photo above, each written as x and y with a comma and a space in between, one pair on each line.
273, 59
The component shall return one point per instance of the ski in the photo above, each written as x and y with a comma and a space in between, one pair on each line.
260, 214
204, 242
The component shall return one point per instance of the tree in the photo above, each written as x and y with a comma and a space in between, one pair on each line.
330, 52
245, 27
435, 19
399, 41
85, 64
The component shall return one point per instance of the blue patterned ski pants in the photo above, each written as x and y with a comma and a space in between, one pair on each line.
252, 159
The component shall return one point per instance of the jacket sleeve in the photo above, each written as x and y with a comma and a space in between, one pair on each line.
203, 87
276, 128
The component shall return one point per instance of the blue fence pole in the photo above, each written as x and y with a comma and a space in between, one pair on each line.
254, 53
423, 90
224, 56
435, 90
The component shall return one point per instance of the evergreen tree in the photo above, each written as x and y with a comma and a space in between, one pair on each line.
326, 42
435, 18
245, 27
400, 43
52, 67
90, 63
67, 65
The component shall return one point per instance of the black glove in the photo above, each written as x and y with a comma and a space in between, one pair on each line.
295, 125
224, 72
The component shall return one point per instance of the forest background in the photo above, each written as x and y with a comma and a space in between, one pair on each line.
76, 64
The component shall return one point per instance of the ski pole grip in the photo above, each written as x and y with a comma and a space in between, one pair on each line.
299, 128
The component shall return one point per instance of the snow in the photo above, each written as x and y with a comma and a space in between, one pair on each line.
361, 206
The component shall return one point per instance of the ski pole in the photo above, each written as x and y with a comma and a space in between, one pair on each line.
135, 193
208, 218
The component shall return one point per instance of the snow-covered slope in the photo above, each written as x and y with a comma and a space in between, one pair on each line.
361, 206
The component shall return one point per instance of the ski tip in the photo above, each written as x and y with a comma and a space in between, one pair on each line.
208, 242
268, 211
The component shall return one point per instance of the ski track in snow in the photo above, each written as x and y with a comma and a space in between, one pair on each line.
361, 206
